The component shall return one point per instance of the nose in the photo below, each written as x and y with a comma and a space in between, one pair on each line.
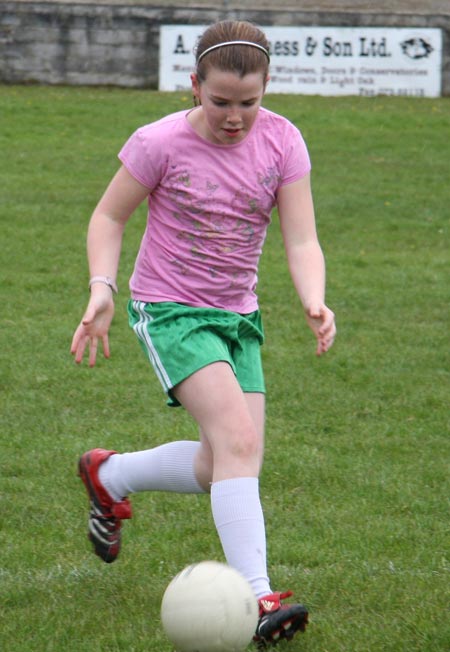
234, 116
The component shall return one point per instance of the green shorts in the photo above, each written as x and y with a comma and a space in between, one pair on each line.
179, 340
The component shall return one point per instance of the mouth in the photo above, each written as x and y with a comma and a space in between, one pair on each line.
232, 133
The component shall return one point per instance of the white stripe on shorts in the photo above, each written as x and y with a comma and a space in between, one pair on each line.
141, 330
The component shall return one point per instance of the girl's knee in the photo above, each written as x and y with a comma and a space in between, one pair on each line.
244, 444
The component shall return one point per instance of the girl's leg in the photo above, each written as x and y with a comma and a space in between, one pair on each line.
233, 425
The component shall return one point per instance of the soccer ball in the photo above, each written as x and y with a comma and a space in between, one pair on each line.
209, 607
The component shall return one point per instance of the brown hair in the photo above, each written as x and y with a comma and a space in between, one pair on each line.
240, 59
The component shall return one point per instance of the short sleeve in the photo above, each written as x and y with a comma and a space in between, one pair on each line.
297, 163
141, 157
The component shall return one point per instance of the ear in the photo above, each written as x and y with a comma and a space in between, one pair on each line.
195, 84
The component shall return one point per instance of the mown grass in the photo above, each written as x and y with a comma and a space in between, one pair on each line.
356, 480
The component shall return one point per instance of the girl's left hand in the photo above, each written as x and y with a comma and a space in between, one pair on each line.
321, 321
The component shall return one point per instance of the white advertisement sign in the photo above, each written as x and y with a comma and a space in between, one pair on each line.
326, 60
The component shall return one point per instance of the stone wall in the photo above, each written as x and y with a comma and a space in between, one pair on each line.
117, 43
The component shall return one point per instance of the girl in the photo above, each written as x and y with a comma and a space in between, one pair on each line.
211, 176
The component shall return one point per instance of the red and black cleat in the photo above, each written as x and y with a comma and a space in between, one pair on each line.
105, 514
278, 621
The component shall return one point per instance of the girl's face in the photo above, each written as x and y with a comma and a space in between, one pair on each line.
229, 103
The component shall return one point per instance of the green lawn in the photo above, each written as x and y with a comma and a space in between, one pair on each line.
356, 481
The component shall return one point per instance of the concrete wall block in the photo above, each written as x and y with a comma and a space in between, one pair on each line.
36, 35
117, 37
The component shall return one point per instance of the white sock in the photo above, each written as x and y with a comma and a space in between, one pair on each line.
237, 513
169, 467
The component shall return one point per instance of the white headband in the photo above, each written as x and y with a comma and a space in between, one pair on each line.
221, 45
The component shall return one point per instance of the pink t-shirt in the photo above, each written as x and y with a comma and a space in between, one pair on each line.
209, 208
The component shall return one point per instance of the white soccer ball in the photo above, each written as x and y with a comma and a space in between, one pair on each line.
209, 607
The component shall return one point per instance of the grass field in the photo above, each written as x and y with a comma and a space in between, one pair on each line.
356, 481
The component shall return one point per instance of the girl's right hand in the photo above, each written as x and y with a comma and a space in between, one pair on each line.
95, 325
